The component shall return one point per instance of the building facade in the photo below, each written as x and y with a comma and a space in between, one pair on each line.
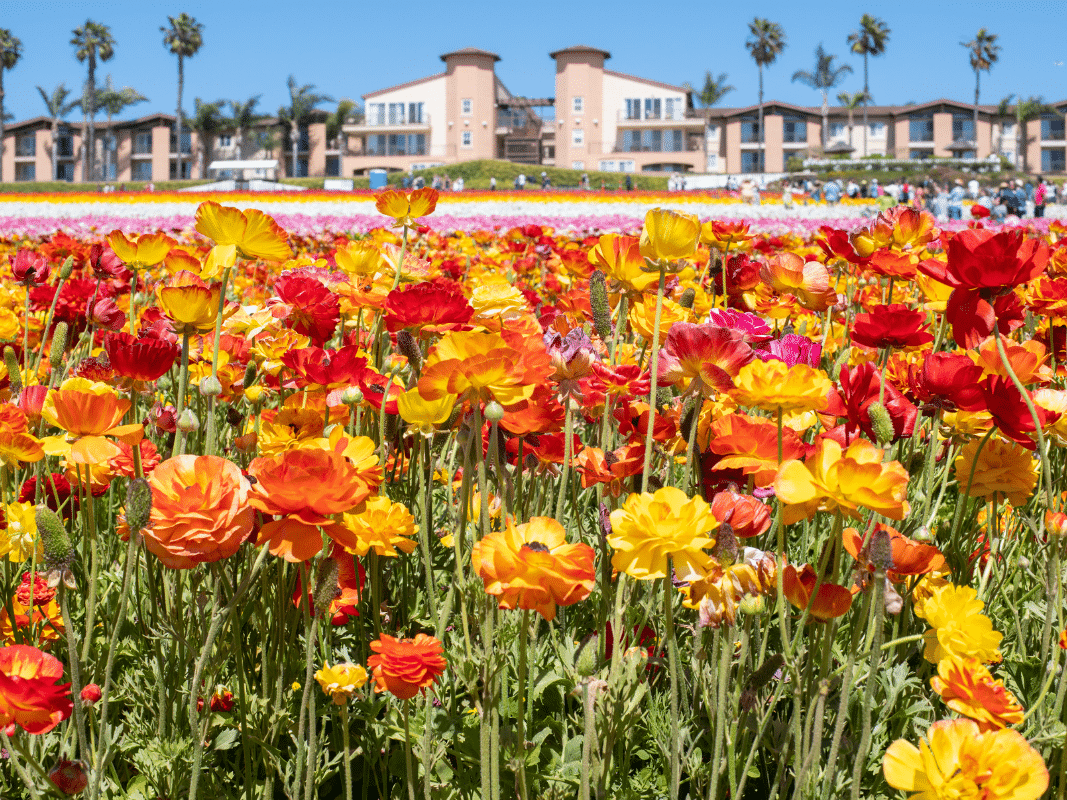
597, 120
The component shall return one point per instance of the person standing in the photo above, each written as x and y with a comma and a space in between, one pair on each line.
832, 192
521, 181
955, 200
629, 182
972, 188
1040, 196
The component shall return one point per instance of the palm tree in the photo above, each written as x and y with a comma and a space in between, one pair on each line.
714, 90
91, 41
115, 101
58, 107
983, 50
302, 101
335, 128
206, 120
869, 40
1023, 112
852, 101
184, 38
243, 117
1004, 109
10, 53
824, 77
766, 42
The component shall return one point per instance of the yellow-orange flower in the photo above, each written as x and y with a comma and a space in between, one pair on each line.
141, 251
957, 761
475, 367
406, 207
359, 259
833, 479
669, 235
253, 233
532, 566
18, 540
650, 528
341, 681
642, 316
620, 259
968, 688
959, 627
424, 415
220, 258
1003, 471
809, 282
200, 511
88, 411
773, 385
382, 526
191, 303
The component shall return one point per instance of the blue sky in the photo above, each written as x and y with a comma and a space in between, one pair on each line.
348, 48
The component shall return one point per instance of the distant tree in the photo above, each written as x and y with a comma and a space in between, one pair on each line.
206, 121
852, 101
983, 51
1022, 112
10, 53
243, 116
823, 78
58, 107
869, 40
335, 128
711, 94
302, 101
765, 43
91, 41
184, 38
115, 101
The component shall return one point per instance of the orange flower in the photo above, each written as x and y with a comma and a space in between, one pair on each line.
620, 259
190, 303
774, 385
909, 557
837, 480
746, 516
404, 666
406, 207
532, 566
255, 234
830, 601
751, 445
142, 251
476, 367
809, 282
200, 511
88, 411
29, 694
968, 688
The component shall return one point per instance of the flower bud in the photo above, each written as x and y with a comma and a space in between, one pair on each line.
13, 373
59, 345
90, 695
585, 661
725, 550
250, 375
687, 298
70, 777
352, 396
67, 268
138, 504
923, 534
598, 301
880, 549
494, 412
762, 676
253, 394
409, 348
210, 386
881, 422
326, 586
752, 604
1056, 523
58, 551
187, 421
842, 359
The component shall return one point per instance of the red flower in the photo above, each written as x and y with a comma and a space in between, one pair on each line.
222, 701
308, 307
29, 268
1010, 414
946, 381
404, 666
141, 359
860, 388
91, 694
830, 601
893, 325
621, 379
441, 305
30, 696
327, 369
34, 587
746, 515
70, 777
107, 266
708, 355
105, 314
836, 243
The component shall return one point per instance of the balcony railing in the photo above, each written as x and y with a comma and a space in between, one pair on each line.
381, 124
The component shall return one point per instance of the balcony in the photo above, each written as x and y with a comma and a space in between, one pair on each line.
663, 120
384, 126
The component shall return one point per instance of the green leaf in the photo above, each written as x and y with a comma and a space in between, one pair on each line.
227, 739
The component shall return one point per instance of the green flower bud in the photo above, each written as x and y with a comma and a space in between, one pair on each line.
494, 412
842, 357
598, 301
352, 396
752, 604
250, 374
59, 345
138, 504
409, 348
13, 373
585, 661
687, 298
763, 675
58, 551
326, 588
881, 422
187, 422
67, 268
210, 386
880, 549
725, 549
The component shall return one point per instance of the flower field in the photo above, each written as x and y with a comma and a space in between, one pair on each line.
406, 496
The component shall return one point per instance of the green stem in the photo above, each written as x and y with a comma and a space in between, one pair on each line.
179, 402
75, 674
564, 472
210, 432
524, 634
346, 758
653, 368
408, 766
672, 666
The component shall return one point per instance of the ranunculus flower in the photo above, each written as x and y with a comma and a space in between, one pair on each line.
190, 303
706, 355
776, 386
341, 681
531, 566
142, 251
255, 234
959, 626
831, 599
200, 511
142, 359
669, 235
893, 325
650, 528
406, 207
967, 687
1002, 470
30, 696
403, 667
431, 306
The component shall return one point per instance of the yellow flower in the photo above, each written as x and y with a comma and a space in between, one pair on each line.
383, 526
1004, 470
20, 539
142, 251
620, 259
642, 316
359, 259
773, 385
669, 235
424, 415
959, 627
406, 207
836, 480
340, 681
956, 761
221, 257
498, 300
290, 429
254, 234
649, 528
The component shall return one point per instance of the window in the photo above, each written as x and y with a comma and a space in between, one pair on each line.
713, 162
1052, 128
751, 161
110, 171
26, 172
467, 106
467, 139
65, 171
577, 165
962, 128
397, 113
1053, 159
186, 170
301, 167
187, 142
876, 129
577, 103
921, 128
672, 141
749, 130
142, 171
1009, 129
970, 155
333, 166
794, 129
26, 145
142, 144
375, 145
375, 113
633, 108
577, 136
65, 145
652, 141
671, 108
653, 108
837, 129
415, 112
918, 155
609, 166
225, 140
394, 144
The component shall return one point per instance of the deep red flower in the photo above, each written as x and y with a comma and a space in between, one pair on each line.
893, 325
107, 266
860, 388
1010, 413
56, 493
431, 303
946, 381
329, 369
836, 243
105, 314
222, 701
708, 355
308, 307
95, 368
30, 268
621, 379
72, 301
375, 386
142, 359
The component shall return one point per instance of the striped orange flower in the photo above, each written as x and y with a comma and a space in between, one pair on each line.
403, 667
968, 688
30, 695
